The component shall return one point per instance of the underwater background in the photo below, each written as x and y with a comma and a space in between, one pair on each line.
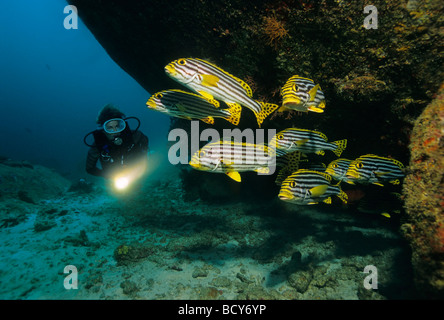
180, 233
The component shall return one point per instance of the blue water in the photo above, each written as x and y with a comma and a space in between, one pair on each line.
53, 83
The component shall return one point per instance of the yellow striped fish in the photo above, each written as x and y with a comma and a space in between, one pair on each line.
306, 141
186, 105
231, 157
301, 94
373, 169
338, 168
212, 82
309, 187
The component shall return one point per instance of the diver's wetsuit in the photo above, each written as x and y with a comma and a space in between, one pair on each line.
112, 157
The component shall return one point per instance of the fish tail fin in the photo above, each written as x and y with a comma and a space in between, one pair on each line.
341, 145
266, 110
343, 196
234, 111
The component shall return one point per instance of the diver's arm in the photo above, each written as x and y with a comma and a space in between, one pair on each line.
91, 162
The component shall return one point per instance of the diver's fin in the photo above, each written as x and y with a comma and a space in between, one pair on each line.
234, 175
341, 145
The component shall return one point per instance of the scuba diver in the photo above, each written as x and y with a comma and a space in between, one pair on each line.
122, 152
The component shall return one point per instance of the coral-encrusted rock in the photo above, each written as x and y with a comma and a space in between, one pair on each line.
424, 199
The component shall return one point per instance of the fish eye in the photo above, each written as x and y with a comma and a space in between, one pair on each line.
293, 184
181, 62
202, 154
158, 95
359, 165
295, 87
335, 165
280, 136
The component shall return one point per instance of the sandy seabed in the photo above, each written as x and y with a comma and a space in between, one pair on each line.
156, 245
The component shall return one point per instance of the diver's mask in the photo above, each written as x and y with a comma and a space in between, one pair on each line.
113, 126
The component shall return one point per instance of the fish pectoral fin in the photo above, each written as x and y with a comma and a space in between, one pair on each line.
234, 175
300, 142
312, 92
209, 80
206, 94
209, 120
385, 214
263, 170
319, 190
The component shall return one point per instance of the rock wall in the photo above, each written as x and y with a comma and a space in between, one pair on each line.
424, 198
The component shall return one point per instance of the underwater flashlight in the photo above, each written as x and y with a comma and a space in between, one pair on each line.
121, 183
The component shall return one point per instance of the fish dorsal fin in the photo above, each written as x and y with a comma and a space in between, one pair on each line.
206, 94
234, 175
243, 84
318, 190
323, 136
325, 175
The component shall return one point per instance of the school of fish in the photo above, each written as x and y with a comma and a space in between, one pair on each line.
219, 94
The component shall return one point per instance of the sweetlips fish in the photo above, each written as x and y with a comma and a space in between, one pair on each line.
301, 94
232, 157
306, 141
373, 169
213, 82
187, 105
309, 187
338, 168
